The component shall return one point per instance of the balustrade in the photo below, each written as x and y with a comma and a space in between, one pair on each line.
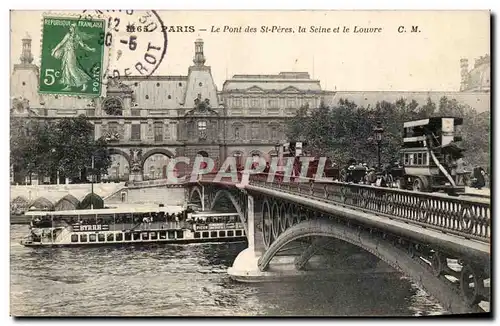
467, 217
470, 218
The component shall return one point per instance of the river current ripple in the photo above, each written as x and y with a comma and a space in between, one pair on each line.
188, 280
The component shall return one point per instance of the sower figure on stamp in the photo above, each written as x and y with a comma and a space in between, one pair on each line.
66, 50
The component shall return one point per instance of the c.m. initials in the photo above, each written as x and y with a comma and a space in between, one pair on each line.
414, 29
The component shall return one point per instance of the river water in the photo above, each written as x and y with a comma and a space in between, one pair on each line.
188, 280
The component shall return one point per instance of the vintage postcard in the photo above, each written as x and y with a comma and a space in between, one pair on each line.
250, 163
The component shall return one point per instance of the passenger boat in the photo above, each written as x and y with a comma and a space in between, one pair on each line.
126, 226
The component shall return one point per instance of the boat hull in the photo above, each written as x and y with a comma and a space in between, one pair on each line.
138, 242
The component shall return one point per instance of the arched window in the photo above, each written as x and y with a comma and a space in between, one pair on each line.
237, 131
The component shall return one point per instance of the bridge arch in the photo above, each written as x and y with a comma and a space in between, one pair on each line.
234, 201
228, 195
382, 249
195, 195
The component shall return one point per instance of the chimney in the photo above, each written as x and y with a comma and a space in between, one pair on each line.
26, 56
199, 58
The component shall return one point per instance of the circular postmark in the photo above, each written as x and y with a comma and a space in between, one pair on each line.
136, 44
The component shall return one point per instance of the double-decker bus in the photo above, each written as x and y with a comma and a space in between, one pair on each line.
429, 155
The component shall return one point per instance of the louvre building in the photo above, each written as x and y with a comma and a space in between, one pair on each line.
149, 120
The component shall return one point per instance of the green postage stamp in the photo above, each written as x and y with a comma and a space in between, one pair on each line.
72, 56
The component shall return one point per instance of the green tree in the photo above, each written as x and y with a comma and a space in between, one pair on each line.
295, 125
345, 130
65, 146
102, 159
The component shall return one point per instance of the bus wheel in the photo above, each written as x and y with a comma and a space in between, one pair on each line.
421, 184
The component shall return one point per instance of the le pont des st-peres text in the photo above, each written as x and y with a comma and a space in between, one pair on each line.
300, 29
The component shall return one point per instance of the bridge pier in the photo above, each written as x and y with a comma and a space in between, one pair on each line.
245, 267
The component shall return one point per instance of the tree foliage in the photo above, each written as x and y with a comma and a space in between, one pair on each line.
345, 131
65, 146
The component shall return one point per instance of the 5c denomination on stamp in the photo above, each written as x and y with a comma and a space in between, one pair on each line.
71, 48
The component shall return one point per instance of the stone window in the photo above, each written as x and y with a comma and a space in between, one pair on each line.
274, 132
255, 131
202, 129
290, 103
237, 102
254, 102
274, 104
135, 132
238, 131
158, 131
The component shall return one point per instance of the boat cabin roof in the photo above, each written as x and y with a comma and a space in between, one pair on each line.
207, 214
108, 211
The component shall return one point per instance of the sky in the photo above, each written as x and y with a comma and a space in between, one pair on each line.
428, 60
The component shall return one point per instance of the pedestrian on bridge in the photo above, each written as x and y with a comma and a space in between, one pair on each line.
478, 174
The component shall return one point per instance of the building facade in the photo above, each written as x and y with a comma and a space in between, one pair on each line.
147, 120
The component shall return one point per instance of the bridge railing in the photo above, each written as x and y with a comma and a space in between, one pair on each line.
467, 217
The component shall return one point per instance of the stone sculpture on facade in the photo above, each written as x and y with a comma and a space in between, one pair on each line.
135, 159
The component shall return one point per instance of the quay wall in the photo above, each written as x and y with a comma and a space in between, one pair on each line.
148, 195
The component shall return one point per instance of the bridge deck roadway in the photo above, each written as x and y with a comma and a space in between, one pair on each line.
458, 244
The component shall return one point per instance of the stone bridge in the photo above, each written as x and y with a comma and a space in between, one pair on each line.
441, 242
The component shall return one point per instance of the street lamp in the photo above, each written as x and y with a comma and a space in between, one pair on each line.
92, 166
378, 130
53, 150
